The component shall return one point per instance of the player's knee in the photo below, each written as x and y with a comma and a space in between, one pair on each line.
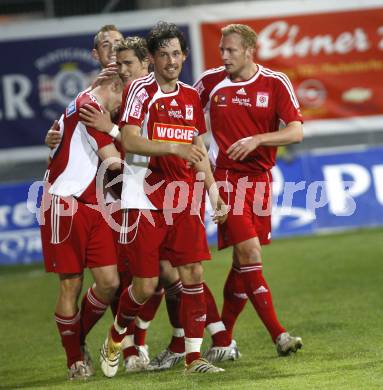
169, 274
191, 273
108, 285
148, 288
70, 288
251, 254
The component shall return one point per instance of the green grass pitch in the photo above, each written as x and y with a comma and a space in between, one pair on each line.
327, 289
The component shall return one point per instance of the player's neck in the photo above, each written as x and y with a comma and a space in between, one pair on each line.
108, 98
245, 73
167, 86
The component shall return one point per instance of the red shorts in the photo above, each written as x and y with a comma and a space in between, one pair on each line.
116, 217
182, 242
75, 236
249, 197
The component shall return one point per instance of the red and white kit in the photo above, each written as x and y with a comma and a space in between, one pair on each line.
161, 183
239, 110
75, 234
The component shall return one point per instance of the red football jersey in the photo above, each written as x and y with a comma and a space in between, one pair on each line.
163, 117
246, 108
73, 168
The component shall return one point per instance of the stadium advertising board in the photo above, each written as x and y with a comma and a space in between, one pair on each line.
41, 76
333, 59
313, 193
19, 233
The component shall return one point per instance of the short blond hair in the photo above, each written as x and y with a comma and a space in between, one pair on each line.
248, 35
104, 29
137, 44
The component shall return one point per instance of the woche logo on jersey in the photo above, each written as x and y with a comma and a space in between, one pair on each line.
173, 133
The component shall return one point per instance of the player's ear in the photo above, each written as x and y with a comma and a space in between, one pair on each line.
145, 63
95, 54
250, 51
151, 59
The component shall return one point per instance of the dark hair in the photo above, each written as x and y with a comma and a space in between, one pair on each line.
160, 35
103, 29
137, 44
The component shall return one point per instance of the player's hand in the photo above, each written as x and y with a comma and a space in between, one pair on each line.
243, 147
191, 153
96, 119
53, 137
109, 71
221, 212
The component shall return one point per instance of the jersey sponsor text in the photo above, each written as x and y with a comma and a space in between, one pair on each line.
173, 133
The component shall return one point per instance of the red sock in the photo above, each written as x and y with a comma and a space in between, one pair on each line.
193, 318
259, 293
177, 343
146, 314
125, 281
92, 309
127, 346
69, 329
234, 300
127, 311
213, 321
114, 306
173, 301
130, 351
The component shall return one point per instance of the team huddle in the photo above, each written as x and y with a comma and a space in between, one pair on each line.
125, 193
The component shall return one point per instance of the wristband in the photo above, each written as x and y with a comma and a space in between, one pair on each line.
114, 132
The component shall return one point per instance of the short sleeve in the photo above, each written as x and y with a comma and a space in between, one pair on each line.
134, 106
200, 117
101, 139
202, 92
287, 103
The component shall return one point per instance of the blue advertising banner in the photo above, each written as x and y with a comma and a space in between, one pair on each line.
19, 231
324, 192
40, 76
313, 193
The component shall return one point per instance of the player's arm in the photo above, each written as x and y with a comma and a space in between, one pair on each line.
110, 151
219, 206
100, 121
105, 147
133, 142
292, 133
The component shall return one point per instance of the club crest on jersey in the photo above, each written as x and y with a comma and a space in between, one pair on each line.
220, 100
189, 112
164, 132
262, 99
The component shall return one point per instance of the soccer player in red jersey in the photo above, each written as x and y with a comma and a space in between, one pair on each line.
130, 59
74, 233
161, 124
246, 104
